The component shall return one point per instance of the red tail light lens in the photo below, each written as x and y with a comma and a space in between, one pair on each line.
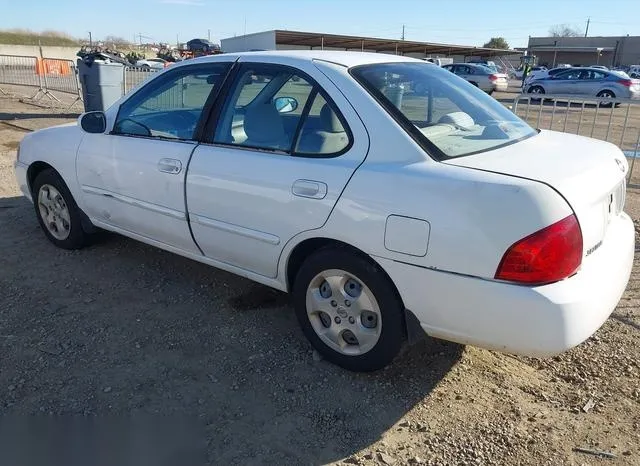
549, 255
625, 82
493, 77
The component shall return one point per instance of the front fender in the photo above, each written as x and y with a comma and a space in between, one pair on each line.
56, 146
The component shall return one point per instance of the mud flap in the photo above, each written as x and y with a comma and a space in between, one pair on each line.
415, 333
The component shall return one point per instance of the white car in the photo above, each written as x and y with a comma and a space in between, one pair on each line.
382, 210
152, 63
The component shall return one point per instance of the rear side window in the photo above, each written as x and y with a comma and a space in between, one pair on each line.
277, 108
323, 132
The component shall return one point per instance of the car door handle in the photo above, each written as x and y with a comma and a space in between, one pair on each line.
309, 188
172, 166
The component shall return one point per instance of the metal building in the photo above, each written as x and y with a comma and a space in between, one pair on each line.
297, 40
609, 51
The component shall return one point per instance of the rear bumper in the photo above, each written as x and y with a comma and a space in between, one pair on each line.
532, 321
501, 86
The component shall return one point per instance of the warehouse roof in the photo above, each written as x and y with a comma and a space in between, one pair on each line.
316, 39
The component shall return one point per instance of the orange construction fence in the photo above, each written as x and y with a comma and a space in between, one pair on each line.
52, 66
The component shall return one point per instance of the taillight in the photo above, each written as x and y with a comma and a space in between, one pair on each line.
493, 77
549, 255
625, 82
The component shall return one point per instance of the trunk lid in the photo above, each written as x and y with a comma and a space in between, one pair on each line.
588, 173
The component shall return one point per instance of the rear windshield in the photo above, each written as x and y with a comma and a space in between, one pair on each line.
447, 115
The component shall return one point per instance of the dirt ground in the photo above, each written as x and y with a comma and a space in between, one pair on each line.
121, 329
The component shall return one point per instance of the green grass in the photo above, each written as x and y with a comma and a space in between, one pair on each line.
24, 37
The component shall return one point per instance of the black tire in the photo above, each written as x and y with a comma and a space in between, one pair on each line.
608, 94
77, 237
538, 90
392, 333
490, 92
474, 83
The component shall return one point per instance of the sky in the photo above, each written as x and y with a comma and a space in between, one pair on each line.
465, 22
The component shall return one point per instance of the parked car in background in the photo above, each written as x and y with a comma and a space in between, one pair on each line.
442, 213
587, 82
520, 71
480, 76
541, 73
439, 61
488, 63
634, 71
152, 63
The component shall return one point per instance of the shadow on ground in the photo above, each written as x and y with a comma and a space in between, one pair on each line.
122, 328
4, 116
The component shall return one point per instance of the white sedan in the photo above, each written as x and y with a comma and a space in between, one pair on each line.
152, 63
382, 210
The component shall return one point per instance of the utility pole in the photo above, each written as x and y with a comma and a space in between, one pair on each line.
209, 35
140, 38
587, 30
90, 40
177, 41
402, 32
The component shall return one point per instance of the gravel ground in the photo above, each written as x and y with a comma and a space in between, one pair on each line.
121, 328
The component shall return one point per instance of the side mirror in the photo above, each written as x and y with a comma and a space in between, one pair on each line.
285, 104
93, 122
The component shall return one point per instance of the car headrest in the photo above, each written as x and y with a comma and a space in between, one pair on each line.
263, 124
330, 121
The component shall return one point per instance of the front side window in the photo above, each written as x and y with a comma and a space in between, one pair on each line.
569, 75
447, 115
170, 105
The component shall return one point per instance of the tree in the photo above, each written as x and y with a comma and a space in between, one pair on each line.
116, 42
497, 43
564, 30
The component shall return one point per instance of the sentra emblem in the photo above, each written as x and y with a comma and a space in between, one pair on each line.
620, 164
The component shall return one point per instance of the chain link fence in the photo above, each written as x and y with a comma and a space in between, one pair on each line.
135, 75
45, 74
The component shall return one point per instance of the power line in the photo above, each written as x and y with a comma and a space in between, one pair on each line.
586, 31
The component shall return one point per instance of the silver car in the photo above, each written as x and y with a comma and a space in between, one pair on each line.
587, 82
480, 76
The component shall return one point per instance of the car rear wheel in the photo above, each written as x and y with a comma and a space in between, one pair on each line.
608, 95
349, 310
57, 211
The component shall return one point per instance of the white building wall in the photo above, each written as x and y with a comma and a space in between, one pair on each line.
258, 41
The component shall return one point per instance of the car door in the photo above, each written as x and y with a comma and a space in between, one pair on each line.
563, 83
282, 150
132, 177
592, 82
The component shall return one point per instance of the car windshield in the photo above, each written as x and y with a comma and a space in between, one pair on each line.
448, 116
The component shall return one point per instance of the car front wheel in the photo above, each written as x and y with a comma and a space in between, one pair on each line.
57, 211
349, 310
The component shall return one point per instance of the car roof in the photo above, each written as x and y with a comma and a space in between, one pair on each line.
344, 58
